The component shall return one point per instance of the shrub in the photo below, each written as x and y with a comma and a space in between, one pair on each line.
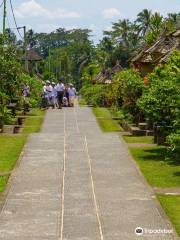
95, 95
126, 90
160, 101
35, 85
10, 71
5, 115
174, 146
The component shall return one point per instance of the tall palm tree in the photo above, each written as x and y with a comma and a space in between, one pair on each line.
156, 23
120, 32
143, 20
175, 18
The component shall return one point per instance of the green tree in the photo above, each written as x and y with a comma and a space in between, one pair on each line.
155, 28
10, 70
144, 20
160, 101
127, 88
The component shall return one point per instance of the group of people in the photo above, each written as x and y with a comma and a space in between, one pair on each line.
58, 95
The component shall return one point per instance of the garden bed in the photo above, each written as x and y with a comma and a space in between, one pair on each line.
105, 121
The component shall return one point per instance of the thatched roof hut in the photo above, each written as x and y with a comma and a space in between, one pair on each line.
106, 76
32, 56
159, 52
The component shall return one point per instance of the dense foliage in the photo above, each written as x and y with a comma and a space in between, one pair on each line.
126, 89
160, 100
13, 79
10, 71
96, 94
135, 100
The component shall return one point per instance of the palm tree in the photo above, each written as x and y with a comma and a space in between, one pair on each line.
175, 18
156, 27
120, 32
156, 23
143, 20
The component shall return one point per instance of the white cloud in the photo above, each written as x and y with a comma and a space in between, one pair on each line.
71, 27
32, 8
93, 27
108, 28
111, 13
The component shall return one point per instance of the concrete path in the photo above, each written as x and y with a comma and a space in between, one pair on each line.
76, 183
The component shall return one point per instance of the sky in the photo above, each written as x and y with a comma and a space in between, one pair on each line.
97, 15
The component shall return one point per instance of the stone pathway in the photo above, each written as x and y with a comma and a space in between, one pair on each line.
76, 183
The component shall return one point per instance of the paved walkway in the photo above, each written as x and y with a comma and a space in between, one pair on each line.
76, 183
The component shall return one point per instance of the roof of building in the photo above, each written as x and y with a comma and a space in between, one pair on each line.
32, 55
106, 76
160, 50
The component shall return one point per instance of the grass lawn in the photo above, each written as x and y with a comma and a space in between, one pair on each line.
139, 139
11, 146
158, 171
37, 112
171, 205
33, 122
105, 120
10, 149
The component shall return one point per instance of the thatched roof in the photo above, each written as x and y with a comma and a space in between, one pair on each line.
117, 68
106, 76
160, 50
32, 55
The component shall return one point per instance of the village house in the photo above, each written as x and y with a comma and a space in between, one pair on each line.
106, 76
157, 53
31, 59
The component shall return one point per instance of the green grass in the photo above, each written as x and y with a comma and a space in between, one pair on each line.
105, 120
37, 112
171, 205
10, 149
33, 122
140, 139
3, 182
158, 171
101, 112
11, 146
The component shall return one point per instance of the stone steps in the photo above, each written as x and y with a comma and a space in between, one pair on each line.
136, 131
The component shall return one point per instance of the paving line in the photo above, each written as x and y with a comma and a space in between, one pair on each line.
93, 191
75, 114
63, 180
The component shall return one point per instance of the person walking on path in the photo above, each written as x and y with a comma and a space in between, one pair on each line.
66, 94
60, 88
26, 95
53, 95
72, 95
46, 95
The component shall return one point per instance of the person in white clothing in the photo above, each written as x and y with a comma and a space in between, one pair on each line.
72, 95
47, 91
53, 95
